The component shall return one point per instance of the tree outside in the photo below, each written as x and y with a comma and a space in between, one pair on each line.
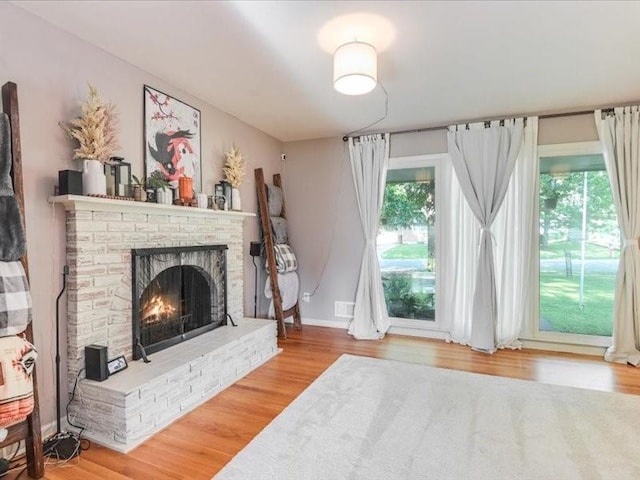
577, 281
569, 301
407, 264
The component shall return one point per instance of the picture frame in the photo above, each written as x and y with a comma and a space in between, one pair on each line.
172, 138
117, 365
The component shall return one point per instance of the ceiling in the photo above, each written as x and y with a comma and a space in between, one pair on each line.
266, 62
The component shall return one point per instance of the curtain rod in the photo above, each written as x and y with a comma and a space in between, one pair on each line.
444, 127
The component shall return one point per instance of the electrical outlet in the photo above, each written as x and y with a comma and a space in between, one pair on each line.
306, 297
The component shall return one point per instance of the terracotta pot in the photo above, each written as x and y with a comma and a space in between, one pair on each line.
185, 189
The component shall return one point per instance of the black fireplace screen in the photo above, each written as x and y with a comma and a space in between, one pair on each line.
178, 293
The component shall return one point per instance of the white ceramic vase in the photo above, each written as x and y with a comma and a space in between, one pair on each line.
164, 196
94, 181
235, 199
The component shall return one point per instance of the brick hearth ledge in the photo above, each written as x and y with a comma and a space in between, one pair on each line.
129, 407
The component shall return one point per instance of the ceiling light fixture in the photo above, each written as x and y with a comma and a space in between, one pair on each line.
355, 68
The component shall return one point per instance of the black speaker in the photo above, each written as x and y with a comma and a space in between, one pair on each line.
69, 182
254, 249
95, 362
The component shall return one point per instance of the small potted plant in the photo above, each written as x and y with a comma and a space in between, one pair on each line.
234, 171
139, 193
95, 132
160, 185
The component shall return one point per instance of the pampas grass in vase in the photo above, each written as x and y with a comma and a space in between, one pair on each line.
94, 130
234, 171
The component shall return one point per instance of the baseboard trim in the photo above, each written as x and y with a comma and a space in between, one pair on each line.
344, 325
316, 322
441, 335
420, 332
563, 347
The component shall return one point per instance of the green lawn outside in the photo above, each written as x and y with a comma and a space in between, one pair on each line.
407, 251
559, 297
592, 251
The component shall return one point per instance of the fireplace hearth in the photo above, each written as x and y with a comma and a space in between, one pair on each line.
127, 408
178, 293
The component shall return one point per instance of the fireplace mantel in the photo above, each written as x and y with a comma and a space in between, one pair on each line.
101, 234
97, 204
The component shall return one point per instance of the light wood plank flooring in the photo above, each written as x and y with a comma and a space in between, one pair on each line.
201, 443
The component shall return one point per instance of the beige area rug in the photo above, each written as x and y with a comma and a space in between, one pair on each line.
371, 419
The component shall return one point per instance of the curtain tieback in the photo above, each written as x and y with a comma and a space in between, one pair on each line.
484, 230
630, 242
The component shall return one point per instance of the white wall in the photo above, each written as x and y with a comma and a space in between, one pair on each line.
52, 69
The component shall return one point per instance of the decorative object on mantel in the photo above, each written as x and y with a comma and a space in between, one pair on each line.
118, 173
69, 182
160, 186
171, 138
97, 203
164, 196
139, 193
234, 171
201, 200
185, 189
222, 195
95, 132
192, 202
94, 181
111, 197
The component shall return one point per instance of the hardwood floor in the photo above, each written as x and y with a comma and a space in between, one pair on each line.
201, 443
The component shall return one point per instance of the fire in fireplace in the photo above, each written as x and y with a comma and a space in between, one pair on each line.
178, 293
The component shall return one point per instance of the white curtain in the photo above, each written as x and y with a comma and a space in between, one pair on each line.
369, 164
459, 247
620, 137
514, 227
483, 159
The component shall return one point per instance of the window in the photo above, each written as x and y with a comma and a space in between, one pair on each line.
407, 240
579, 243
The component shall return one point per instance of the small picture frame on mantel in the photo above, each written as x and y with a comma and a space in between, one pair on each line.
117, 365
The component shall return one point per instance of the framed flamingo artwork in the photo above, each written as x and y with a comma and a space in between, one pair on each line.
171, 138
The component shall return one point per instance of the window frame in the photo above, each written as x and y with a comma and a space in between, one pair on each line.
417, 327
531, 328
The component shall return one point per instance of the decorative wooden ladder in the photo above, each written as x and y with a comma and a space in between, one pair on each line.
29, 429
267, 235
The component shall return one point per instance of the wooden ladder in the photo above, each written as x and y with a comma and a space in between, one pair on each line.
267, 235
29, 429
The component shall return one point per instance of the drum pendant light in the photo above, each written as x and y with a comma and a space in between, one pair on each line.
355, 68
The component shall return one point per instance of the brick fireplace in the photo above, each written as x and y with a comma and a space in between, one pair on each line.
178, 293
127, 408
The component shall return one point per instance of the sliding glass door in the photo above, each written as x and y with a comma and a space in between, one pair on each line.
579, 244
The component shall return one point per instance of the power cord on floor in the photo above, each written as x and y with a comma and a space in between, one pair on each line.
64, 446
13, 469
5, 463
21, 472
